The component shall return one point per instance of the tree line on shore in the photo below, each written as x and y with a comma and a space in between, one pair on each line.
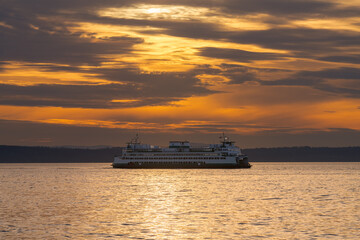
26, 154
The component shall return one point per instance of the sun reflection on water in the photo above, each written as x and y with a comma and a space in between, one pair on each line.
94, 201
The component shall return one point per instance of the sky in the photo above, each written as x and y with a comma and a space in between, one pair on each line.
268, 73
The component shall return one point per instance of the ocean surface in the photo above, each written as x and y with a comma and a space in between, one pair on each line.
95, 201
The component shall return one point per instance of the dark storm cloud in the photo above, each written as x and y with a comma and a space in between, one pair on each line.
237, 55
145, 89
37, 33
57, 68
47, 40
82, 96
53, 43
275, 6
318, 84
54, 6
32, 133
294, 81
333, 73
308, 78
86, 96
351, 58
165, 84
285, 9
2, 64
321, 80
291, 9
238, 74
170, 80
305, 42
32, 45
189, 28
347, 92
302, 40
232, 6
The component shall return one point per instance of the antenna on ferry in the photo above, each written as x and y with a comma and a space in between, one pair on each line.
224, 137
137, 138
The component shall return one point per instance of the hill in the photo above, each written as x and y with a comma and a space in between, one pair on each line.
23, 154
304, 154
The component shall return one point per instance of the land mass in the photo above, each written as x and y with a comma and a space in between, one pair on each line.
25, 154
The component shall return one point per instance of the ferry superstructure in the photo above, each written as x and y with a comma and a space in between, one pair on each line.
180, 154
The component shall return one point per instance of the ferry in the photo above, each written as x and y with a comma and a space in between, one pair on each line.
181, 154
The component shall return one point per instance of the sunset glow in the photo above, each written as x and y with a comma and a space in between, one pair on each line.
191, 69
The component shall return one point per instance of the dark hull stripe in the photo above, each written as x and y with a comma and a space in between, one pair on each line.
179, 165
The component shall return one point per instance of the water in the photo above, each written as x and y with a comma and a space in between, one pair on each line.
95, 201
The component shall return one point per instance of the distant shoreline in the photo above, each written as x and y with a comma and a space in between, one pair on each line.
26, 154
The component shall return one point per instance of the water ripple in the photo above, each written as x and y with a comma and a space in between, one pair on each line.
94, 201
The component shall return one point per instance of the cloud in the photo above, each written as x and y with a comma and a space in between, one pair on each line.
238, 74
165, 84
33, 133
87, 96
272, 7
303, 41
333, 73
237, 55
56, 68
59, 46
316, 83
141, 89
57, 6
347, 92
276, 7
322, 80
2, 64
50, 41
38, 33
350, 58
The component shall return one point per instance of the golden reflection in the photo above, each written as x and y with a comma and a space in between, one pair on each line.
169, 204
